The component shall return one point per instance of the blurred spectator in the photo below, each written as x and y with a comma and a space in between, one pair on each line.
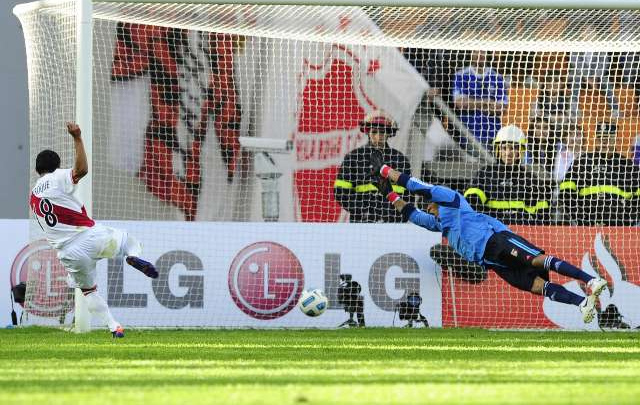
551, 119
353, 187
553, 100
629, 67
568, 150
602, 186
545, 139
516, 67
507, 190
590, 70
438, 67
629, 62
480, 96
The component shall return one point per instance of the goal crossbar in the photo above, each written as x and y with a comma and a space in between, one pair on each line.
537, 4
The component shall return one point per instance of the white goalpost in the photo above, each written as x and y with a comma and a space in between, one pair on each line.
219, 135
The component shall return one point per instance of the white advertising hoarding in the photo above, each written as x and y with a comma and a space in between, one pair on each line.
224, 274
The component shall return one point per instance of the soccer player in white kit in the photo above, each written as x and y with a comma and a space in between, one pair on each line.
78, 240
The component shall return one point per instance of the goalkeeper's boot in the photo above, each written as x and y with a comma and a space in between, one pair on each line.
144, 266
118, 332
596, 285
588, 308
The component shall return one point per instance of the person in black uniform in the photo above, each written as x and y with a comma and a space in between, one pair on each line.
602, 187
354, 189
508, 191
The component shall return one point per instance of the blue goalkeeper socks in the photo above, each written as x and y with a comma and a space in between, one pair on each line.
566, 269
558, 293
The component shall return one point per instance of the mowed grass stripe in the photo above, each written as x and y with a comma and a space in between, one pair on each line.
345, 366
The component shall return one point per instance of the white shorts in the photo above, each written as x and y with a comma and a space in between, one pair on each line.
81, 254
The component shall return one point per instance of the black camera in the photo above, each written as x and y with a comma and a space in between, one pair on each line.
351, 300
410, 310
19, 292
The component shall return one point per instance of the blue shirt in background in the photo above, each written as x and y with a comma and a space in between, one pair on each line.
488, 85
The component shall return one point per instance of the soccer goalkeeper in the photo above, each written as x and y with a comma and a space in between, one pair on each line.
484, 240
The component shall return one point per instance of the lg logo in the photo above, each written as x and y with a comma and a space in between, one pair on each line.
48, 294
265, 280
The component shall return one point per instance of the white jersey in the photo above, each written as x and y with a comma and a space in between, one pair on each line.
60, 215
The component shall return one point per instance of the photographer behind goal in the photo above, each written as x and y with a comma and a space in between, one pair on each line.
353, 303
409, 310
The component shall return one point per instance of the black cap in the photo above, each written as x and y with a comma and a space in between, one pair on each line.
605, 129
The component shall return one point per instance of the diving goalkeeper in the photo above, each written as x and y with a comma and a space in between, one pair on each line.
484, 240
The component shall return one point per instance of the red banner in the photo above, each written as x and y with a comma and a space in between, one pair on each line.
611, 252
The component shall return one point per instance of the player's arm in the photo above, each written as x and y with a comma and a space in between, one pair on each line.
440, 195
408, 210
80, 165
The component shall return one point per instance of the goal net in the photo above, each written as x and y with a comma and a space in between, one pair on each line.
234, 142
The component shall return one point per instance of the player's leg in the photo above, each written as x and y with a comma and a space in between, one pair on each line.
548, 262
116, 242
512, 258
98, 307
556, 292
81, 273
132, 249
530, 255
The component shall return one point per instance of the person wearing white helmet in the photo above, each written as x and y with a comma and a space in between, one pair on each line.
353, 188
506, 190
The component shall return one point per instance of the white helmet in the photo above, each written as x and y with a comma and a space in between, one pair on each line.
510, 133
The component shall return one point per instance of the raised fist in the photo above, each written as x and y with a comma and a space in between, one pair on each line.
73, 129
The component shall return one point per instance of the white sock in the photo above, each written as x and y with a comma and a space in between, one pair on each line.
132, 247
97, 306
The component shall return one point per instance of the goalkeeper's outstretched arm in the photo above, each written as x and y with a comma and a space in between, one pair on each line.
408, 210
440, 195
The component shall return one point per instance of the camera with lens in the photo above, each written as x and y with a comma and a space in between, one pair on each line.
409, 310
351, 300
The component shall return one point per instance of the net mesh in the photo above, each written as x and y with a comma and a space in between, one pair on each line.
177, 86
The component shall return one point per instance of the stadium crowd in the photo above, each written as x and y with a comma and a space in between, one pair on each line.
571, 125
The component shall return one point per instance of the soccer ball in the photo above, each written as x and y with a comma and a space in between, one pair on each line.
313, 302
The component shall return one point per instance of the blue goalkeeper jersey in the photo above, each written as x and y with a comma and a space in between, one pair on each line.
466, 230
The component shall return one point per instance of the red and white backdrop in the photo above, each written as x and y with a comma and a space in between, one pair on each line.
321, 92
180, 99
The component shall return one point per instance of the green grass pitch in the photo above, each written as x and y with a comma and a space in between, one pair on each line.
365, 366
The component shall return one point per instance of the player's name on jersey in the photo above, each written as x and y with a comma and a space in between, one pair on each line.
40, 188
